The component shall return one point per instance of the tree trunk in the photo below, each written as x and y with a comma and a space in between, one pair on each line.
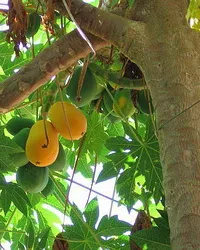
171, 69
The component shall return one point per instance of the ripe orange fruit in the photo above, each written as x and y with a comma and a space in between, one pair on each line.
42, 147
69, 121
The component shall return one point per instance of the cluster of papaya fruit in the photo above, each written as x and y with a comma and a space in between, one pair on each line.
117, 103
42, 149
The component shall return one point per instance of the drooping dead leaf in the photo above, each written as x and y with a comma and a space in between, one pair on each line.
17, 22
60, 243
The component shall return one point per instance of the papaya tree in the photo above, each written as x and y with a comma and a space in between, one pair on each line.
132, 69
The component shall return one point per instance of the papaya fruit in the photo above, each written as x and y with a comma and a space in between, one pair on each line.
31, 178
34, 21
42, 144
144, 102
21, 137
17, 123
60, 163
49, 189
68, 120
123, 105
20, 159
89, 89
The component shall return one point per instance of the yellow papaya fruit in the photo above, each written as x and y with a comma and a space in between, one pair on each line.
69, 121
42, 145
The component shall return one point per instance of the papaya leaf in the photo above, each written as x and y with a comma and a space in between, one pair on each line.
7, 147
95, 135
125, 186
41, 239
153, 238
21, 246
109, 226
19, 197
30, 235
91, 212
6, 199
109, 171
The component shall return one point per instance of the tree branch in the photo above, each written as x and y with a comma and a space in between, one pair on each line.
127, 35
59, 56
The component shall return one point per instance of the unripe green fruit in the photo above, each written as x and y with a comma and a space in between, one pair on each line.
88, 91
31, 178
17, 123
20, 159
49, 189
60, 163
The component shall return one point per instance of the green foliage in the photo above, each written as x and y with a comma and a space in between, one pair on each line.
84, 234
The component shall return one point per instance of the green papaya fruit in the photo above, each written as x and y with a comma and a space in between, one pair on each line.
123, 105
34, 21
32, 179
17, 123
88, 91
144, 102
60, 163
20, 159
112, 118
21, 137
49, 189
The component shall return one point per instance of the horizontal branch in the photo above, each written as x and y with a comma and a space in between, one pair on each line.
59, 56
127, 35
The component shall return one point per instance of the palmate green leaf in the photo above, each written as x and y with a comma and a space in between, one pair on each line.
30, 234
21, 246
91, 212
119, 157
6, 199
153, 238
43, 225
7, 147
81, 235
121, 242
115, 129
2, 226
41, 239
84, 166
126, 181
96, 136
148, 158
109, 171
19, 197
109, 226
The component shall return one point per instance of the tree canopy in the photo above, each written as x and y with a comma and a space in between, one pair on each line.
88, 55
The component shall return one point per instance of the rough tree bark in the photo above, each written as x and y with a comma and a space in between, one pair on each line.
159, 40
